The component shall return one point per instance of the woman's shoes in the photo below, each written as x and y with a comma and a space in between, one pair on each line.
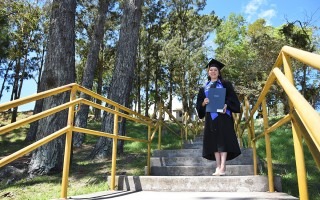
222, 173
218, 173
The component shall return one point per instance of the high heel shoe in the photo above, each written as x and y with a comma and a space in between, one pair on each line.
222, 173
216, 173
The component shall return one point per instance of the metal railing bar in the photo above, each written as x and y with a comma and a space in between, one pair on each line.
276, 125
170, 129
155, 130
41, 95
279, 123
113, 103
313, 149
172, 117
312, 61
38, 116
87, 102
308, 115
263, 93
33, 146
108, 135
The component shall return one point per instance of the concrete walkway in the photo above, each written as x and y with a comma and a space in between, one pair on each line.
150, 195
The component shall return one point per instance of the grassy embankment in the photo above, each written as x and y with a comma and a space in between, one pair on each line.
88, 176
284, 163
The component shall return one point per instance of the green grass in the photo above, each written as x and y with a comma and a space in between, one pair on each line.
284, 163
86, 176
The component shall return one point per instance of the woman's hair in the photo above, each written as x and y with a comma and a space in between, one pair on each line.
220, 76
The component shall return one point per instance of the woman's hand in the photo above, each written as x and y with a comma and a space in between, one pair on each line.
205, 102
224, 109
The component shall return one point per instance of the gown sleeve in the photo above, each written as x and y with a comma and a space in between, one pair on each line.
232, 100
201, 109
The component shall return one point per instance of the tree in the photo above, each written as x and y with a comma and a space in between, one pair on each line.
300, 35
90, 68
22, 20
148, 73
120, 86
265, 45
183, 51
41, 48
249, 52
4, 47
4, 34
59, 70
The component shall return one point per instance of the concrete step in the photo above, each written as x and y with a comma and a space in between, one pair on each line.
191, 153
193, 156
196, 184
193, 146
232, 170
198, 140
177, 153
155, 195
196, 161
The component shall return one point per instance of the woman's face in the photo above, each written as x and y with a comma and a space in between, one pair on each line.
213, 73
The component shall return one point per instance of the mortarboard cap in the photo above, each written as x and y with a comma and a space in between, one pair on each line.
215, 63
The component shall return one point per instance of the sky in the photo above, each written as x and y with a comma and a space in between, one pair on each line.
275, 12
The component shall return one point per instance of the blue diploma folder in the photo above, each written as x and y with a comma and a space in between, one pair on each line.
216, 99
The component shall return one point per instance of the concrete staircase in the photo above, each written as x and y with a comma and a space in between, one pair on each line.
185, 170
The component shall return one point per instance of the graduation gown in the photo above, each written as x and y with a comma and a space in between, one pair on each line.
219, 134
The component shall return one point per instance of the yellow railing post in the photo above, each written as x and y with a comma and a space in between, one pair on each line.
68, 146
185, 122
149, 151
268, 146
255, 164
246, 115
297, 139
114, 150
254, 148
300, 163
181, 135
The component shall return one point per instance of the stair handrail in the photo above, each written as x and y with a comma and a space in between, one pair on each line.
304, 118
185, 125
75, 102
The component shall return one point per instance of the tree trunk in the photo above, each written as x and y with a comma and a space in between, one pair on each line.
170, 88
122, 131
20, 78
147, 90
303, 81
97, 111
138, 96
157, 94
15, 90
31, 135
90, 68
121, 83
5, 79
59, 70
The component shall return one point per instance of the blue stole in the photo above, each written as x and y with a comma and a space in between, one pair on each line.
206, 89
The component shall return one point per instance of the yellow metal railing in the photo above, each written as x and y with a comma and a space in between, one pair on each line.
304, 119
118, 111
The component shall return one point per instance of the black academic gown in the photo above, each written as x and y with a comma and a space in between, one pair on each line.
219, 134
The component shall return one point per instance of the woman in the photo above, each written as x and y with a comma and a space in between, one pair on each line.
220, 141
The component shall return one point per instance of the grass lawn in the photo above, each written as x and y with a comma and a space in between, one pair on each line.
88, 176
284, 163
